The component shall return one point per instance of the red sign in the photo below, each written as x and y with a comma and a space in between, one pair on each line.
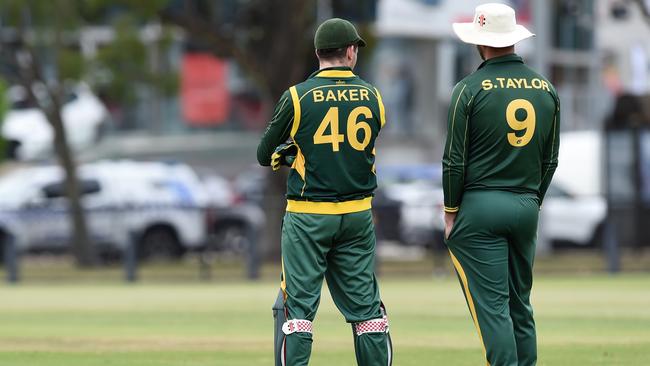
205, 98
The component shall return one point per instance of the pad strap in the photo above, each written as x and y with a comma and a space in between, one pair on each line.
296, 325
379, 325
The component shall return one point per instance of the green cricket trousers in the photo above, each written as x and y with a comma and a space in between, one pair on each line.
341, 249
492, 247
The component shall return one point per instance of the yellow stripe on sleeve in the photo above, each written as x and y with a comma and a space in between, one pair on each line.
451, 131
382, 110
299, 163
296, 110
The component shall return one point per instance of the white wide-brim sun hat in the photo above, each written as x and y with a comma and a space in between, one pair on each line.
494, 25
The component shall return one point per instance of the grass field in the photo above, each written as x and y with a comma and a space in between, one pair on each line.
581, 321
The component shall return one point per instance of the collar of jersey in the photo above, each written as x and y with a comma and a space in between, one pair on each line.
338, 72
513, 57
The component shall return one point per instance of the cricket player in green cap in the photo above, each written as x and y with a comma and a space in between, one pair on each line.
500, 155
325, 129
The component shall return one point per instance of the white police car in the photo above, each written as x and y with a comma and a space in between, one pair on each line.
418, 190
164, 205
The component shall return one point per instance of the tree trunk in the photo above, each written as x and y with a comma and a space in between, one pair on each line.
286, 65
275, 59
274, 208
81, 245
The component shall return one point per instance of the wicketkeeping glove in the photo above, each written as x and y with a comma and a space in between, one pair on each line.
284, 154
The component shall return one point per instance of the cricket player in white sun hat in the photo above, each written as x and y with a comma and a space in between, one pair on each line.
500, 155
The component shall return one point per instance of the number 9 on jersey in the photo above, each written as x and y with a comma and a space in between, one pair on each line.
527, 124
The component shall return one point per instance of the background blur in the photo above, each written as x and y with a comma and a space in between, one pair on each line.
129, 131
157, 108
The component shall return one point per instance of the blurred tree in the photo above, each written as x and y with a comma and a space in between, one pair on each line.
268, 39
127, 66
44, 38
4, 106
42, 32
271, 41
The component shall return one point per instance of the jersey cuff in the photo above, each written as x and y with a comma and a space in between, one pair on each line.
451, 209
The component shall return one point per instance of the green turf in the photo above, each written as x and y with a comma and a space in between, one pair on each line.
581, 321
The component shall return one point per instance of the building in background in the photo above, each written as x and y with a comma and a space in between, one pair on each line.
418, 61
623, 36
592, 50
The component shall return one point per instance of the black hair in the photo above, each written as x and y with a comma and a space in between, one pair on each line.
332, 53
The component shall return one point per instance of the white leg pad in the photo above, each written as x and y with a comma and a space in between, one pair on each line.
379, 325
296, 325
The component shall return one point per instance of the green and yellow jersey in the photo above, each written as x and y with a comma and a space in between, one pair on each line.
334, 118
503, 132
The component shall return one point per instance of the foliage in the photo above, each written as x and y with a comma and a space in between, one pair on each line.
53, 29
46, 42
269, 39
125, 63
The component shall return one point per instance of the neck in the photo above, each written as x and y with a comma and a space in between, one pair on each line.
491, 52
326, 64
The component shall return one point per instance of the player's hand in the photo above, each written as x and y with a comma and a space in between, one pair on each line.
284, 154
450, 219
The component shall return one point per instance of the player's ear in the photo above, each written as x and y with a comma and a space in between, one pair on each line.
350, 52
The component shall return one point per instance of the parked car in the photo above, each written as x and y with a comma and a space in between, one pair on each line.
571, 219
575, 207
233, 221
570, 215
251, 184
30, 135
164, 205
418, 190
387, 214
250, 188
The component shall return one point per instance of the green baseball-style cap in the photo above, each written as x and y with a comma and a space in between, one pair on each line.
337, 33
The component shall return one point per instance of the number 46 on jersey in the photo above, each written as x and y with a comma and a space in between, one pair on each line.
356, 121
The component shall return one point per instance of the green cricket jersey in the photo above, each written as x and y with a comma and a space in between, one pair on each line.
334, 118
503, 132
